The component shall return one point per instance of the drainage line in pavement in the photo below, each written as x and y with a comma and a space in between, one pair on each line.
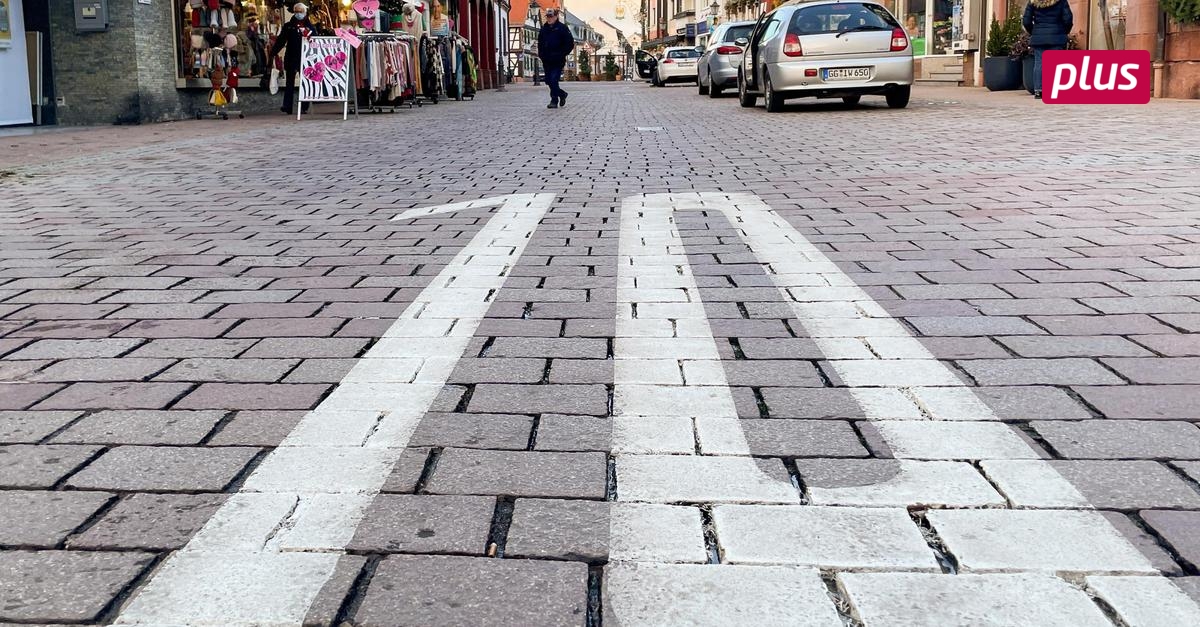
737, 348
113, 609
1188, 567
840, 603
533, 432
501, 520
431, 463
595, 608
1024, 428
797, 481
944, 558
610, 489
465, 399
358, 592
711, 545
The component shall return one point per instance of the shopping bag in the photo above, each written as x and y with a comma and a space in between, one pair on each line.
274, 81
233, 99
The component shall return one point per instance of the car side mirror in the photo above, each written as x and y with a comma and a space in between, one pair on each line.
742, 42
700, 49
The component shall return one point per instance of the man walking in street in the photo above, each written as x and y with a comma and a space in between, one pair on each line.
555, 44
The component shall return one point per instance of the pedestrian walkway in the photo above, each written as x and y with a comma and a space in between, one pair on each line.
652, 359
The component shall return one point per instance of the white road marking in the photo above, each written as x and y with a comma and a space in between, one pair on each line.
919, 405
266, 553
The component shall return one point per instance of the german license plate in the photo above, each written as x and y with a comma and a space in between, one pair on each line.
847, 73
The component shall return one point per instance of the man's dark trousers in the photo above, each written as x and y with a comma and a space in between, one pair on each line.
553, 76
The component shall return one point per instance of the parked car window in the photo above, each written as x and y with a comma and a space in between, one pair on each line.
737, 32
833, 18
683, 54
770, 31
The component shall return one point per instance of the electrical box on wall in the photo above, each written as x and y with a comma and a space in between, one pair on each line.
966, 25
91, 16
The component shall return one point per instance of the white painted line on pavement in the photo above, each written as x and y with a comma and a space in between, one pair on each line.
265, 554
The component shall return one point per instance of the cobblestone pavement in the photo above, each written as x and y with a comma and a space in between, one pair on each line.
649, 359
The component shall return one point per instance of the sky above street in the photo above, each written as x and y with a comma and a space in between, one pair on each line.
607, 9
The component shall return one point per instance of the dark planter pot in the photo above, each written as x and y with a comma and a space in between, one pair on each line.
1001, 73
1027, 73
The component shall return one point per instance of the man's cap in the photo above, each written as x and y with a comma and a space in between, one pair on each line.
551, 12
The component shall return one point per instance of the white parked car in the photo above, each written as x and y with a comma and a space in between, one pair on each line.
677, 65
826, 49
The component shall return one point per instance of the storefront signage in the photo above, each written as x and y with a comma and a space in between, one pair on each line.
701, 28
5, 25
324, 69
349, 35
691, 30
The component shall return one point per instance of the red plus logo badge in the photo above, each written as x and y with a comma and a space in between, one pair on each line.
1096, 77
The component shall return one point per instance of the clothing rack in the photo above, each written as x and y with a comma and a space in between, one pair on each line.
376, 102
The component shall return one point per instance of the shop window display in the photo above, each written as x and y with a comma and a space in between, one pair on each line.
223, 34
929, 25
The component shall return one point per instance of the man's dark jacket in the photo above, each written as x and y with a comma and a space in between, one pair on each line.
291, 35
555, 44
1048, 22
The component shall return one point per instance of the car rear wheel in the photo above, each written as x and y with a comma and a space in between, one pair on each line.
745, 98
700, 87
771, 99
852, 101
897, 97
713, 90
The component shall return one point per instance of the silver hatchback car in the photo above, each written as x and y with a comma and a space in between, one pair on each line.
718, 66
826, 49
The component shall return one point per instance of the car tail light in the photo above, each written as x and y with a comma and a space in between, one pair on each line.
899, 39
668, 60
791, 46
729, 50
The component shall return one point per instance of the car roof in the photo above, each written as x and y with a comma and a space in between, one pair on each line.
665, 50
796, 3
740, 23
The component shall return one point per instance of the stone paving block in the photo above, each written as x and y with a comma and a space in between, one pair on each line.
646, 532
1069, 371
895, 483
1146, 601
654, 434
811, 403
491, 431
454, 590
40, 466
407, 523
795, 438
1074, 346
966, 326
714, 595
540, 399
254, 396
564, 347
784, 348
559, 529
103, 369
1179, 345
954, 440
581, 371
256, 428
76, 349
137, 426
1050, 540
1121, 439
320, 371
407, 471
1181, 529
163, 327
998, 599
520, 473
228, 370
1145, 542
194, 348
1123, 324
29, 427
286, 327
573, 433
43, 519
703, 479
115, 396
775, 373
21, 370
498, 370
306, 347
23, 395
1158, 370
149, 521
1166, 402
1127, 485
63, 586
164, 469
825, 537
72, 329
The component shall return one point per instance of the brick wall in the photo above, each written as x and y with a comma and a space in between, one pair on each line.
156, 48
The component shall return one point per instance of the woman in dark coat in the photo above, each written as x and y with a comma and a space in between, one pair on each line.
1048, 23
289, 41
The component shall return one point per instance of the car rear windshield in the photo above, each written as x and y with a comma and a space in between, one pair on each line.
737, 32
835, 18
683, 54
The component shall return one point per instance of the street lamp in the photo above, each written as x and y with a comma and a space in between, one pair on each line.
537, 19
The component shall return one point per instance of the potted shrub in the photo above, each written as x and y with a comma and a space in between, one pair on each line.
585, 66
1023, 53
1001, 73
610, 67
